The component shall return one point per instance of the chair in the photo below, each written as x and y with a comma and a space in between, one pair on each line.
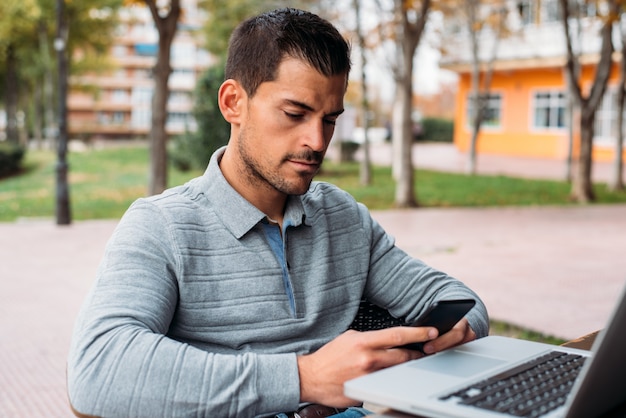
371, 317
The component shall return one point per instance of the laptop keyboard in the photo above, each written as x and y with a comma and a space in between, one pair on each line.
530, 390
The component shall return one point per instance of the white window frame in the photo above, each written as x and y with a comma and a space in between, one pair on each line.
556, 108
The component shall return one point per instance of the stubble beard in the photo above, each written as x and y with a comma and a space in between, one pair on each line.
268, 178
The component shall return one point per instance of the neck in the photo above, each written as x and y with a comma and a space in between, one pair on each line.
264, 197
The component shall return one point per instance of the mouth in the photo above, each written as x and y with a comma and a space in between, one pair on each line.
306, 166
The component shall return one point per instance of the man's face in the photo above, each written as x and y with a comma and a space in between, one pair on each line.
287, 127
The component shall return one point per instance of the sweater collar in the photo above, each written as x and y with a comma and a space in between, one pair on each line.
237, 214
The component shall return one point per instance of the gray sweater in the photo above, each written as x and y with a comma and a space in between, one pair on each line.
193, 314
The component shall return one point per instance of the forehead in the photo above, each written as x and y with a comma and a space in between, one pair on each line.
297, 81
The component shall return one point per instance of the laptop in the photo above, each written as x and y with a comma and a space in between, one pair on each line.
488, 377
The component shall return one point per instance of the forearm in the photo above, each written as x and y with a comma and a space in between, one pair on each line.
130, 372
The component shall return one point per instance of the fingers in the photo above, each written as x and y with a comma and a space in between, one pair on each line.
398, 336
352, 354
459, 334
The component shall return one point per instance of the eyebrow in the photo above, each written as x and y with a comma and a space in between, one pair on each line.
310, 109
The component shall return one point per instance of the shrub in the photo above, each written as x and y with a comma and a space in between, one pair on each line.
437, 130
192, 150
11, 157
348, 150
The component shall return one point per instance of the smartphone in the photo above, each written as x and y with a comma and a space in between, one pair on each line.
442, 315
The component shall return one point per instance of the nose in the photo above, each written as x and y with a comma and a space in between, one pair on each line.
318, 135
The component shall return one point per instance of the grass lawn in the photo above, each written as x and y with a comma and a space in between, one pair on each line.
103, 183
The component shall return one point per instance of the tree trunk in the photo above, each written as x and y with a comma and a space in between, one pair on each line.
47, 103
617, 182
569, 157
63, 212
408, 34
11, 96
37, 114
402, 141
480, 94
166, 27
470, 11
365, 172
582, 187
472, 159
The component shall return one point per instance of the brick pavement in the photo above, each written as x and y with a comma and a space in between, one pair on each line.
45, 272
556, 270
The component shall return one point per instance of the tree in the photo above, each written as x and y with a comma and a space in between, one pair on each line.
576, 34
166, 15
617, 182
409, 21
481, 17
18, 20
90, 23
365, 172
63, 212
485, 26
582, 187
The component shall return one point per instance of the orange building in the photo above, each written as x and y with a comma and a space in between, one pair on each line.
527, 112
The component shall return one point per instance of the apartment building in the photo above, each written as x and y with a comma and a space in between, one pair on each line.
527, 110
117, 104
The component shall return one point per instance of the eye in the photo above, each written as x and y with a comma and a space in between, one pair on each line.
330, 122
294, 116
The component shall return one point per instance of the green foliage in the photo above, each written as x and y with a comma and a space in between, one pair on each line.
28, 30
91, 25
11, 157
193, 149
437, 130
509, 330
18, 19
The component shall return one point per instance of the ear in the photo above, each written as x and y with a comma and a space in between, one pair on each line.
231, 100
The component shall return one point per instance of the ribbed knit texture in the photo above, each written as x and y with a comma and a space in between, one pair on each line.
189, 315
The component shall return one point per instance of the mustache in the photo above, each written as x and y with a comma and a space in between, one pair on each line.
309, 156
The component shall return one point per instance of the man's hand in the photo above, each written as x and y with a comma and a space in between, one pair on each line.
459, 334
353, 354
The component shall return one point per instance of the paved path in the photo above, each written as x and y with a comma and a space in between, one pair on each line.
556, 270
445, 157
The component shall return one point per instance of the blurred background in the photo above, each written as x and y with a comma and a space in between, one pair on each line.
485, 135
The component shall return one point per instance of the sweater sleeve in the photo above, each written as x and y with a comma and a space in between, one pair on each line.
123, 364
407, 286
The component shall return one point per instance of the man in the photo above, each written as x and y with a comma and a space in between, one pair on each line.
231, 295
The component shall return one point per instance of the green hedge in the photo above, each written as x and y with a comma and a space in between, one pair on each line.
11, 157
437, 130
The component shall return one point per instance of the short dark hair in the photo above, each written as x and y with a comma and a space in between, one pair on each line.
259, 44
